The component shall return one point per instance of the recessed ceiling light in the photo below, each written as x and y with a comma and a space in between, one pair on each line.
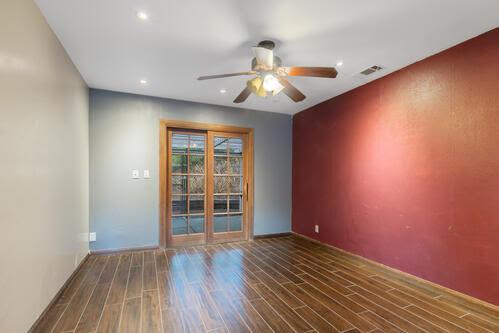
223, 91
339, 63
142, 15
143, 81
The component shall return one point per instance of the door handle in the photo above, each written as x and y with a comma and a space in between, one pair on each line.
246, 191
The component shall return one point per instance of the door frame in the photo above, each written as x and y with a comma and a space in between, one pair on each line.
164, 232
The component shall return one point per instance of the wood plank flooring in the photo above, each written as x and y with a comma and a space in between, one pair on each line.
286, 284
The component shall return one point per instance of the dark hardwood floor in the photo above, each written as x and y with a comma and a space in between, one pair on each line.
286, 284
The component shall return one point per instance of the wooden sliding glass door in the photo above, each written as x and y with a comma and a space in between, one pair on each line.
227, 185
206, 184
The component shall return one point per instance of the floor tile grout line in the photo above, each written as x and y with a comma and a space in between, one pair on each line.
215, 306
413, 305
69, 302
202, 284
284, 319
430, 304
191, 291
356, 285
277, 263
338, 256
226, 251
259, 314
272, 306
319, 315
271, 268
393, 313
480, 317
108, 292
382, 318
304, 263
91, 294
337, 302
57, 321
238, 315
250, 304
157, 293
435, 305
245, 250
352, 284
230, 301
76, 291
353, 324
307, 250
162, 302
400, 287
142, 292
123, 301
373, 330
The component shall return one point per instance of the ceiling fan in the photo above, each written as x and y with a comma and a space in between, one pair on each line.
270, 77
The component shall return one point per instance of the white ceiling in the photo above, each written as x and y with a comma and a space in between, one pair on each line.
183, 39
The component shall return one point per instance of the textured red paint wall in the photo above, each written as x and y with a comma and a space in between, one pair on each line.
405, 170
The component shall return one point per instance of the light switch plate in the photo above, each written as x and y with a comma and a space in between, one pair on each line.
92, 237
146, 174
316, 229
135, 174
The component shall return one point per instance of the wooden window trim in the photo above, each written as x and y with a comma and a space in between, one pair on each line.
163, 181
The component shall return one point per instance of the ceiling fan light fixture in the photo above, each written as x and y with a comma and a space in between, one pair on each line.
142, 15
256, 86
270, 83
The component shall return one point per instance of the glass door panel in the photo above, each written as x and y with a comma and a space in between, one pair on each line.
187, 173
228, 179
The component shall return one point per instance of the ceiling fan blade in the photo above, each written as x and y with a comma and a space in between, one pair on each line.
208, 77
243, 95
277, 90
264, 57
291, 91
329, 72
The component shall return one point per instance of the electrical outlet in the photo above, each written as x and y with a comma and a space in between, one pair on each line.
92, 237
135, 174
316, 228
146, 174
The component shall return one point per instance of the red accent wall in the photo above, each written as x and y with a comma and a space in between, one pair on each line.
405, 170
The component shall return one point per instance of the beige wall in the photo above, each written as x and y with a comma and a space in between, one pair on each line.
43, 165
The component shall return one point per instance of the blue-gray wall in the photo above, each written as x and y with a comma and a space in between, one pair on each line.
124, 135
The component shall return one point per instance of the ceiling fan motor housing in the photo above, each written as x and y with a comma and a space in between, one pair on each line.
268, 44
277, 63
